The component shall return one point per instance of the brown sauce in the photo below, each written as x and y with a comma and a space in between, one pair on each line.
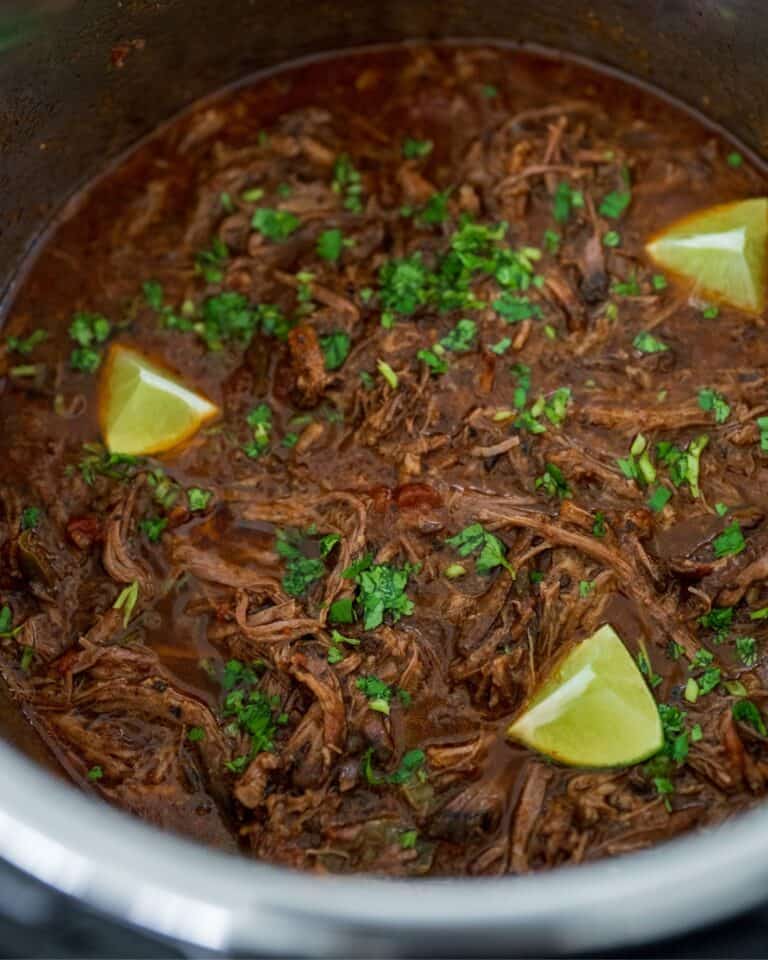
141, 705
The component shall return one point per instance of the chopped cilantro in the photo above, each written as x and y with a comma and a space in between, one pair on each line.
198, 498
710, 400
709, 680
210, 263
455, 570
379, 694
746, 712
729, 542
260, 422
342, 610
461, 338
27, 657
30, 517
746, 649
614, 204
408, 839
335, 347
501, 347
489, 91
126, 601
253, 195
97, 460
476, 539
256, 714
637, 466
659, 498
381, 590
553, 482
410, 766
611, 238
675, 737
719, 620
330, 244
522, 374
7, 628
710, 312
415, 149
555, 406
436, 210
585, 588
301, 570
734, 159
88, 330
565, 199
404, 287
388, 373
227, 316
25, 345
152, 528
721, 509
684, 465
436, 364
515, 309
627, 288
274, 224
551, 241
696, 733
598, 527
94, 774
646, 343
347, 183
196, 734
659, 281
762, 425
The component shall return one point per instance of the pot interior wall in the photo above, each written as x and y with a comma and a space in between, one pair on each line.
83, 80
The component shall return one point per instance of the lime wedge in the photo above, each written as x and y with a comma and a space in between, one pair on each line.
143, 408
722, 249
594, 710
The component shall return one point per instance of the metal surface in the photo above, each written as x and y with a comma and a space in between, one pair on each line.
66, 109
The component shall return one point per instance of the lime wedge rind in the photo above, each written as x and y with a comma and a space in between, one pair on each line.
594, 709
722, 250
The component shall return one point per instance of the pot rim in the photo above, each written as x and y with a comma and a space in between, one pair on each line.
177, 888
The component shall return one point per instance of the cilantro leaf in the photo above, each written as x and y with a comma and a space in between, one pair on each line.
490, 549
347, 182
746, 649
435, 363
153, 528
198, 498
25, 345
301, 570
30, 517
88, 330
335, 347
462, 338
746, 712
729, 542
646, 343
710, 400
274, 224
615, 203
415, 149
330, 243
379, 694
381, 590
553, 482
210, 263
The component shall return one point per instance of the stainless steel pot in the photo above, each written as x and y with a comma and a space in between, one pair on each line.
66, 109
